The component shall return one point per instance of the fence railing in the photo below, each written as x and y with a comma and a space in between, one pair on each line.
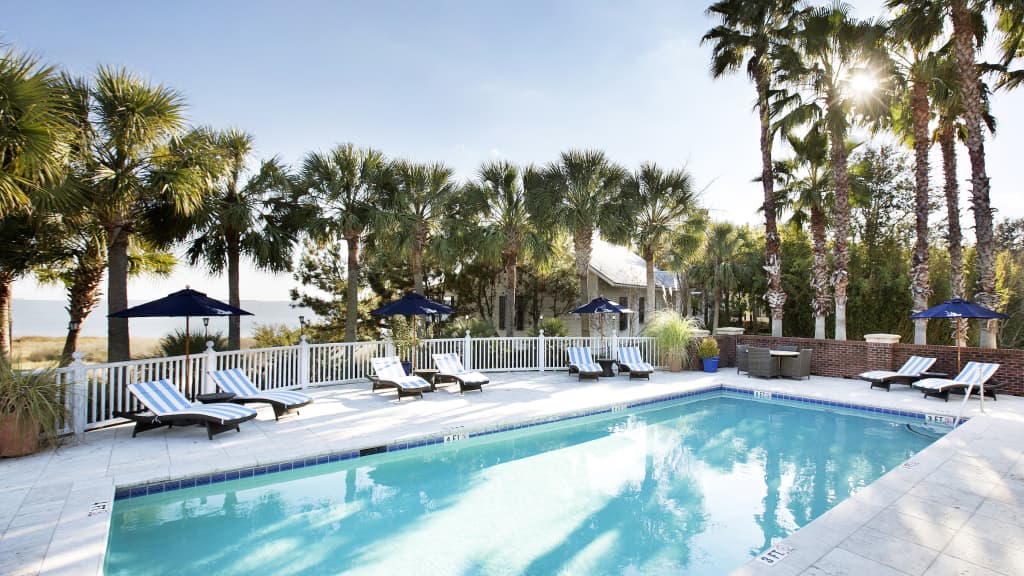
95, 392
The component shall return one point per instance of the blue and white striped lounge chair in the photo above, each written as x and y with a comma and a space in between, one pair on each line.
582, 362
631, 361
170, 407
236, 382
909, 373
449, 367
972, 377
390, 374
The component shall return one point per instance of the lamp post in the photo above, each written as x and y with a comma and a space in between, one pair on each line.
206, 329
302, 326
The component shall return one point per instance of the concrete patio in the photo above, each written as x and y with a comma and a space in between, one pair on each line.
957, 507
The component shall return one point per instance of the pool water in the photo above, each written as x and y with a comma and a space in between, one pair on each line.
693, 487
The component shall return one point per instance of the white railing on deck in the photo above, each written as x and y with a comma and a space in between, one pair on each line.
95, 392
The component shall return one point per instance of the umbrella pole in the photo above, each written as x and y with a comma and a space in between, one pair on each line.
414, 341
957, 344
188, 371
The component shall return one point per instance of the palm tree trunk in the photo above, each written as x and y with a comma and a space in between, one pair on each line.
6, 282
920, 288
819, 273
684, 288
775, 296
510, 295
718, 304
582, 243
648, 255
234, 291
118, 338
840, 274
416, 262
352, 288
83, 295
963, 46
954, 237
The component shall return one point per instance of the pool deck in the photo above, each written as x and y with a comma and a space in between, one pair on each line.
955, 508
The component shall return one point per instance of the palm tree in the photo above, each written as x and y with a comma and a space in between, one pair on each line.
1011, 25
33, 130
341, 192
137, 161
914, 34
576, 197
807, 187
964, 48
416, 212
685, 243
507, 231
832, 47
243, 219
950, 128
720, 267
656, 201
757, 30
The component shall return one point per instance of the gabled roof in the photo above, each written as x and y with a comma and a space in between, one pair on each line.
617, 266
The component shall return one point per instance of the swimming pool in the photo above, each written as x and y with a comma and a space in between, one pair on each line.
687, 487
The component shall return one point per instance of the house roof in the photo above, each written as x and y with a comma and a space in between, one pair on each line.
617, 266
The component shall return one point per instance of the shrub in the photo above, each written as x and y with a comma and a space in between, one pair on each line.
478, 328
174, 343
708, 348
551, 327
672, 332
32, 398
274, 335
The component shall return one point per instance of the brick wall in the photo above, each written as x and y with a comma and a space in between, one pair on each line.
848, 358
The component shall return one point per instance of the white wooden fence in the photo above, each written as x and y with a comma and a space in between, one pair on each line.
96, 391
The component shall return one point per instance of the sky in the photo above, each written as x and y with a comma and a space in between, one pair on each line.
460, 82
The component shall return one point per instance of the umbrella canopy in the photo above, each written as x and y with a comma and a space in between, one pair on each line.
601, 305
183, 303
413, 304
958, 308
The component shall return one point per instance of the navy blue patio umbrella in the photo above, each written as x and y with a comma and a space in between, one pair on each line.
413, 304
958, 308
601, 306
185, 303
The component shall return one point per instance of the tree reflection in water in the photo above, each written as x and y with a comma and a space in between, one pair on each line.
690, 489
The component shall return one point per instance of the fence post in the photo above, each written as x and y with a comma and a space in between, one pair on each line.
389, 346
79, 392
540, 350
209, 363
467, 351
614, 352
303, 362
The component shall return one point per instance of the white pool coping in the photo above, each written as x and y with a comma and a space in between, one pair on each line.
957, 505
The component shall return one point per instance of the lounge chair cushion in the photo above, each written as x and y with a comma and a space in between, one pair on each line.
236, 382
450, 365
580, 358
973, 374
163, 399
389, 369
912, 368
631, 358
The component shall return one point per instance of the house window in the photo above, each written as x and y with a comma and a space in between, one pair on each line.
501, 312
640, 313
519, 318
623, 319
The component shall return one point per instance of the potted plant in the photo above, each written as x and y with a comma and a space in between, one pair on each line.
31, 404
708, 352
672, 333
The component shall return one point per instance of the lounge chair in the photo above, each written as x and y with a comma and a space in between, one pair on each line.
631, 361
761, 363
170, 407
583, 363
796, 366
742, 357
971, 377
390, 374
909, 373
449, 367
236, 382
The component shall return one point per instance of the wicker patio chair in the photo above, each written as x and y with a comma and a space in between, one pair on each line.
760, 363
742, 358
797, 366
